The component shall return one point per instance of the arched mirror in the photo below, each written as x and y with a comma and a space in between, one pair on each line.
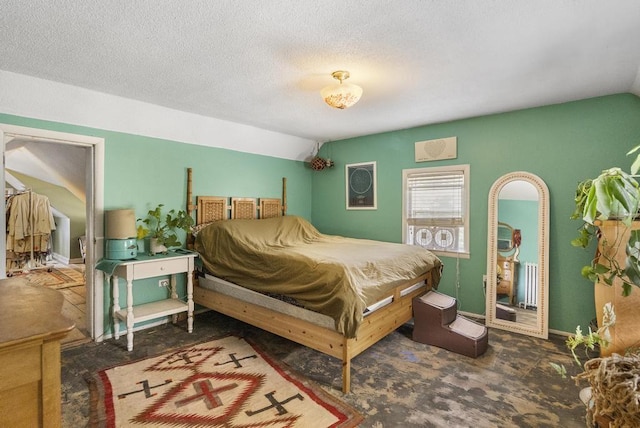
517, 293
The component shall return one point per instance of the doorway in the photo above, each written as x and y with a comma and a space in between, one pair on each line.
91, 168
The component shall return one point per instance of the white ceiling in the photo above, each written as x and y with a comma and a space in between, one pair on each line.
263, 63
59, 164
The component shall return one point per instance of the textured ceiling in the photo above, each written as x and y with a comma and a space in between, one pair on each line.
263, 63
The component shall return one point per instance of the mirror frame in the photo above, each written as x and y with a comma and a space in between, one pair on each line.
541, 328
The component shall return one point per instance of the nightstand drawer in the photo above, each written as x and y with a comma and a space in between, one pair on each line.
161, 267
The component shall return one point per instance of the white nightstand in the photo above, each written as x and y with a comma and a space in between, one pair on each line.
142, 267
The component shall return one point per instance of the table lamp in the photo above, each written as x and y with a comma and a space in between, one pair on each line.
120, 234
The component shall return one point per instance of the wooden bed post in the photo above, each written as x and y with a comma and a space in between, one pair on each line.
190, 206
346, 365
284, 195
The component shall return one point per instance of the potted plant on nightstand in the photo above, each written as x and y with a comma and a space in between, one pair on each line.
162, 228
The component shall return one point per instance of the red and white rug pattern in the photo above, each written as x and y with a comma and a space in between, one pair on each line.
223, 383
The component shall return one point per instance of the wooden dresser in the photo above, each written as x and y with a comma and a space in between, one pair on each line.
509, 272
31, 327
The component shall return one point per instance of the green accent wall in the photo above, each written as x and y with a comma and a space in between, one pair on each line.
142, 172
562, 144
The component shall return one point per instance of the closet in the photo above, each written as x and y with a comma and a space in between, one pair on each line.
29, 221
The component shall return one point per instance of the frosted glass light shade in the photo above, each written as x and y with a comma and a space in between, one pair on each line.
120, 224
341, 95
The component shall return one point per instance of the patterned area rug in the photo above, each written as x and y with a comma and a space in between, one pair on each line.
223, 383
58, 278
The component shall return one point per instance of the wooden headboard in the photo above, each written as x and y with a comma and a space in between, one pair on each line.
215, 208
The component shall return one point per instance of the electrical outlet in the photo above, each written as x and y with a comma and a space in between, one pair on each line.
163, 283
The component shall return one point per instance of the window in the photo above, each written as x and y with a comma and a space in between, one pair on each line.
435, 211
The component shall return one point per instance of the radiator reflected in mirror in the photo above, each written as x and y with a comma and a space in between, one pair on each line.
517, 255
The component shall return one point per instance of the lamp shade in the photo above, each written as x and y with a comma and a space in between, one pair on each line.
341, 95
120, 224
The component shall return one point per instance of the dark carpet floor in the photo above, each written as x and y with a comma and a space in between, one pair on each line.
395, 383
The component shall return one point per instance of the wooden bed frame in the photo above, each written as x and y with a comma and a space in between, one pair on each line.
374, 327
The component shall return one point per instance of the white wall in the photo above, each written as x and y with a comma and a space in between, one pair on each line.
31, 97
60, 239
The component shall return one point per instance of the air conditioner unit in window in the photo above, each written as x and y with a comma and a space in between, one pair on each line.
423, 237
445, 239
436, 238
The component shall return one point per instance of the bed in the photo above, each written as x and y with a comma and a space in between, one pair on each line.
285, 277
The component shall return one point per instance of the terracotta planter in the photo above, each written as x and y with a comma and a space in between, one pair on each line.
626, 331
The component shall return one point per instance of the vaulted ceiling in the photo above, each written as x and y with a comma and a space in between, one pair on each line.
263, 63
62, 165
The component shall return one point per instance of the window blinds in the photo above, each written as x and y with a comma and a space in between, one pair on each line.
436, 198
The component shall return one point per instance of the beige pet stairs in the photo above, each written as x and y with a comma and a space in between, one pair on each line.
437, 323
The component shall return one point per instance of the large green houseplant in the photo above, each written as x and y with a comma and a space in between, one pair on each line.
613, 195
162, 228
608, 207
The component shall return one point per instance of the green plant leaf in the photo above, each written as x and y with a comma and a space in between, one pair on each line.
626, 192
632, 266
601, 269
587, 272
582, 192
562, 371
141, 232
635, 166
578, 242
590, 211
584, 236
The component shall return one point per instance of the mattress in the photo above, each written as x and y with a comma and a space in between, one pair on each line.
335, 276
227, 288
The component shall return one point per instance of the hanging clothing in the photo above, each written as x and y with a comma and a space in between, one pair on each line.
29, 220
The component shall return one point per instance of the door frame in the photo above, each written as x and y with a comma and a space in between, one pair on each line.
94, 188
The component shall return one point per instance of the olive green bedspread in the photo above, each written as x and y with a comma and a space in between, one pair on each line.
332, 275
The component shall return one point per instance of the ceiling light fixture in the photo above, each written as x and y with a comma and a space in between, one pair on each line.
342, 95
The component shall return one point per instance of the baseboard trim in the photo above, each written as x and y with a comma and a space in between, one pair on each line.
60, 258
472, 315
66, 260
483, 317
